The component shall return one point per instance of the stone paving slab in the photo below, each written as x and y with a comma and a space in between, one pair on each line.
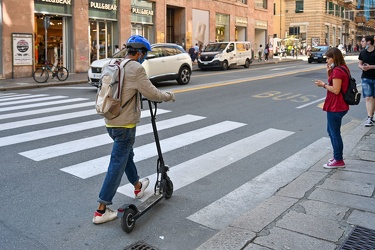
228, 239
353, 176
363, 219
284, 239
263, 214
321, 209
302, 184
319, 227
361, 166
344, 199
352, 187
256, 247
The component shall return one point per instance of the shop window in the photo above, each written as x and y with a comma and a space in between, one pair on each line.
299, 6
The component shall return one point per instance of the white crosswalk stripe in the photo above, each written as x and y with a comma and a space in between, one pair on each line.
192, 170
99, 140
41, 104
99, 165
32, 100
19, 97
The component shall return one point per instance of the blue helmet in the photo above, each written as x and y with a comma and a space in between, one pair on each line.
136, 42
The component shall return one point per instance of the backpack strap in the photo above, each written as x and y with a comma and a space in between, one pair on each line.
349, 76
123, 64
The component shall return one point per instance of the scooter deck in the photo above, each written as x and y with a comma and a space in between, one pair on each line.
144, 206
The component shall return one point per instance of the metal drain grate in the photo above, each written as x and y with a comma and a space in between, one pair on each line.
360, 238
140, 246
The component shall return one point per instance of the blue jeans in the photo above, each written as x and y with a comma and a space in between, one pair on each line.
368, 86
121, 161
334, 120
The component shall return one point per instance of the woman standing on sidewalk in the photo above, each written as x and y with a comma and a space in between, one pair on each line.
334, 104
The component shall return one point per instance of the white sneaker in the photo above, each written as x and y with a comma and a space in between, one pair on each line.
102, 218
369, 122
139, 193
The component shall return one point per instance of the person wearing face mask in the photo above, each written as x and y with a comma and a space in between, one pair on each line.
334, 104
122, 129
366, 62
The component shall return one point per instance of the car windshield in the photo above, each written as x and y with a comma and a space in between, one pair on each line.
215, 47
320, 48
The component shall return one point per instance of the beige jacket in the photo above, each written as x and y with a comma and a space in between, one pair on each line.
136, 81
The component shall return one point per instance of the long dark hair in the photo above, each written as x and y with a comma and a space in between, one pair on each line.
337, 57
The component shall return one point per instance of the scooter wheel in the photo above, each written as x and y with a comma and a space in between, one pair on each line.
127, 222
169, 189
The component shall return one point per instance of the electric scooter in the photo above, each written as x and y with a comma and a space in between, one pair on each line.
129, 213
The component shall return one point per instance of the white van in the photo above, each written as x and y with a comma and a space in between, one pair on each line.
223, 55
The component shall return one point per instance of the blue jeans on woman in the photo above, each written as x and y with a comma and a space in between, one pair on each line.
121, 161
334, 120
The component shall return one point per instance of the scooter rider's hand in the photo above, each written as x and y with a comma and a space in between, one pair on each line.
172, 97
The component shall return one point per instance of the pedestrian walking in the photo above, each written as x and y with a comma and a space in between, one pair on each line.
334, 104
266, 52
122, 128
366, 62
116, 49
260, 51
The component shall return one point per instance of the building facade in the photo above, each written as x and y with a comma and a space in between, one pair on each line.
85, 30
330, 22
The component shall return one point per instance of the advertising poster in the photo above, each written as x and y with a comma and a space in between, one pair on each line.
200, 27
22, 49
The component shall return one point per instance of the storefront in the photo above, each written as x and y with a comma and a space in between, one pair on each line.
241, 29
222, 28
260, 34
103, 28
142, 19
52, 23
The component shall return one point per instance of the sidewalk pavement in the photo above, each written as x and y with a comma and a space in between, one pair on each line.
79, 78
317, 210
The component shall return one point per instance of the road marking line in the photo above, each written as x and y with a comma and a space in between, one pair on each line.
45, 133
97, 166
33, 100
42, 104
204, 165
99, 140
26, 96
250, 194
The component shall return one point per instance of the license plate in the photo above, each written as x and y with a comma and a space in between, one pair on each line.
315, 57
205, 63
97, 76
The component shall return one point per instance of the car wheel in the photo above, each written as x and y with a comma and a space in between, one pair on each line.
247, 63
184, 76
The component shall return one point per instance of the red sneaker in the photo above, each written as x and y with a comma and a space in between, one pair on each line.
334, 164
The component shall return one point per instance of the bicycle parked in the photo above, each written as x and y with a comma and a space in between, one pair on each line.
41, 75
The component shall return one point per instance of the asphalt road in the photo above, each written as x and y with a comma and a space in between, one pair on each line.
225, 128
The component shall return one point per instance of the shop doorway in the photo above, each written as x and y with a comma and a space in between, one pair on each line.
56, 36
143, 30
175, 25
101, 39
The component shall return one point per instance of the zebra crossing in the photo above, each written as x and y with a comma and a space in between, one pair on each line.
25, 109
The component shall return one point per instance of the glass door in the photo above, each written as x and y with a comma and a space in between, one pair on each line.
101, 41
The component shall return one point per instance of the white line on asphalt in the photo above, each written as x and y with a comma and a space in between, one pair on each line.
310, 103
250, 194
33, 100
97, 166
42, 104
66, 129
204, 165
21, 97
47, 110
103, 139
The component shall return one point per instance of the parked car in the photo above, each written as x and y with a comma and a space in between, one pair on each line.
166, 61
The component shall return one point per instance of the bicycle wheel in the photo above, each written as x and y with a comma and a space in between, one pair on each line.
40, 75
62, 73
